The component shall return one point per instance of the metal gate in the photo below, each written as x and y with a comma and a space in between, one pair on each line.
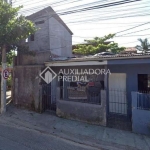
48, 99
118, 110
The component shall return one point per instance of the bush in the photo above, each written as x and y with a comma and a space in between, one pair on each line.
9, 82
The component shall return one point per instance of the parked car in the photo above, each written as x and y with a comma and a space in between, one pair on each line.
104, 53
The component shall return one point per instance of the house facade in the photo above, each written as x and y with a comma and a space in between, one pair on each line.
52, 39
104, 98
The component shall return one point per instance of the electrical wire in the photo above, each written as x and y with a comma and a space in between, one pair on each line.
111, 18
110, 12
93, 7
134, 32
132, 27
97, 7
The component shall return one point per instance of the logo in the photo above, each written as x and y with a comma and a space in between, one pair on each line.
48, 75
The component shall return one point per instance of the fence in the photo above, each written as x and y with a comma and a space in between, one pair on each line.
118, 110
48, 98
140, 112
81, 94
143, 100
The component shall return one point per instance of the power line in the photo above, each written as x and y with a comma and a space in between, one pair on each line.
133, 35
110, 12
132, 27
132, 42
119, 10
45, 5
94, 7
104, 27
135, 32
97, 7
104, 16
111, 18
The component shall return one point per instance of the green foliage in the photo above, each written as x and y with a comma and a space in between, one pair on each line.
13, 28
144, 45
97, 45
10, 56
115, 48
9, 81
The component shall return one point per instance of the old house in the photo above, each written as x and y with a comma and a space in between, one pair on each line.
105, 90
52, 39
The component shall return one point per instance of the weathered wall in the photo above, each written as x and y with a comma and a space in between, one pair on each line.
26, 86
90, 113
41, 37
140, 118
60, 39
51, 35
38, 59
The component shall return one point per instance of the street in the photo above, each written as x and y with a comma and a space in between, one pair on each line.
16, 138
28, 130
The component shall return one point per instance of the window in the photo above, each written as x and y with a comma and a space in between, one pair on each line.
87, 91
143, 82
39, 22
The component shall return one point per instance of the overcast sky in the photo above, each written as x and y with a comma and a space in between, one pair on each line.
98, 22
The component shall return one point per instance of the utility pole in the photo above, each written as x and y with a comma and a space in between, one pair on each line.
3, 80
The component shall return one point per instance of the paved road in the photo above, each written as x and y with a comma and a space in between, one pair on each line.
19, 138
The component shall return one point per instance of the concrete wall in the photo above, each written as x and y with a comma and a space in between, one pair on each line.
60, 39
41, 37
38, 59
26, 86
90, 113
51, 35
140, 118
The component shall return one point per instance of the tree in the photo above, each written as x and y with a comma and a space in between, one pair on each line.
144, 45
98, 45
13, 29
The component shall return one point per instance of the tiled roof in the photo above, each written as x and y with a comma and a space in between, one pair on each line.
128, 49
117, 56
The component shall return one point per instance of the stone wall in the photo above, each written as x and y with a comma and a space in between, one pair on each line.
26, 86
90, 113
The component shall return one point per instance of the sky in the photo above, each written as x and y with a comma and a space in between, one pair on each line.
98, 22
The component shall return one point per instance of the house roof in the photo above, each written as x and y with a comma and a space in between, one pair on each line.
51, 12
99, 58
130, 49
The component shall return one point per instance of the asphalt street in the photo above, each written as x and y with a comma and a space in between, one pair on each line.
18, 138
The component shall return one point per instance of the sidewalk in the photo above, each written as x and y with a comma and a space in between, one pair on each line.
8, 96
96, 136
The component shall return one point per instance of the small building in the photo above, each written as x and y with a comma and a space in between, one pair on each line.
52, 39
101, 90
130, 50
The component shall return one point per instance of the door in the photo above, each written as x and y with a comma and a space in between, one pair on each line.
117, 93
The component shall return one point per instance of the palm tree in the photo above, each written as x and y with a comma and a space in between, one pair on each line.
144, 46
